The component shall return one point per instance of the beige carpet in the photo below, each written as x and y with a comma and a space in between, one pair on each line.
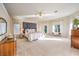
51, 47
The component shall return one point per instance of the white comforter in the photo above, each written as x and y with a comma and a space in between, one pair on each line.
35, 36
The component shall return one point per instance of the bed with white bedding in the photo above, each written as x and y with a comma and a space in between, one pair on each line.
35, 36
32, 35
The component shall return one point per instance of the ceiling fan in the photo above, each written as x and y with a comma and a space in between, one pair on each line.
42, 13
39, 14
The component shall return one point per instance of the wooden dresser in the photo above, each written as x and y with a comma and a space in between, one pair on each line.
8, 48
75, 38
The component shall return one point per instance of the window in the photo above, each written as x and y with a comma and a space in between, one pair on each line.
16, 28
56, 28
2, 28
78, 26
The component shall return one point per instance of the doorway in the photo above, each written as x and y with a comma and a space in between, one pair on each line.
45, 28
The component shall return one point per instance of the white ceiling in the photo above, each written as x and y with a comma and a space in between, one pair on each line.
30, 10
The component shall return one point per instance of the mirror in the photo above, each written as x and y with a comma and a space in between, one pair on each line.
3, 26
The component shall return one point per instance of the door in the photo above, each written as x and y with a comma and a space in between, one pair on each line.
45, 28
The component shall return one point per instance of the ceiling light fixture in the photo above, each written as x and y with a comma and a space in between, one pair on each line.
40, 13
55, 11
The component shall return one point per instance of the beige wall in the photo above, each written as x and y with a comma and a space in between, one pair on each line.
5, 15
20, 21
40, 26
64, 22
64, 26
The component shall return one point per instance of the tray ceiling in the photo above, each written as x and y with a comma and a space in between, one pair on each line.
46, 10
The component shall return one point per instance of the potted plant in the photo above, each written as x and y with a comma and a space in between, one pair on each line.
75, 23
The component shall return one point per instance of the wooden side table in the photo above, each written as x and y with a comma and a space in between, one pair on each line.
8, 47
75, 38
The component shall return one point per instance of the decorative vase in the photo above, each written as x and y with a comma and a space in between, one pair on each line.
75, 27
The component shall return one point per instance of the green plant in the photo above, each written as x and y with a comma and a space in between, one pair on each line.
76, 21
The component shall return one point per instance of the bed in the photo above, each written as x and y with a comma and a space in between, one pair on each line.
32, 35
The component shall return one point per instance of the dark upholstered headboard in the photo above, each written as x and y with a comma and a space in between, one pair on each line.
27, 25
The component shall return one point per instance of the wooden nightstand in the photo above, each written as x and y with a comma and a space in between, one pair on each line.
8, 47
75, 39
